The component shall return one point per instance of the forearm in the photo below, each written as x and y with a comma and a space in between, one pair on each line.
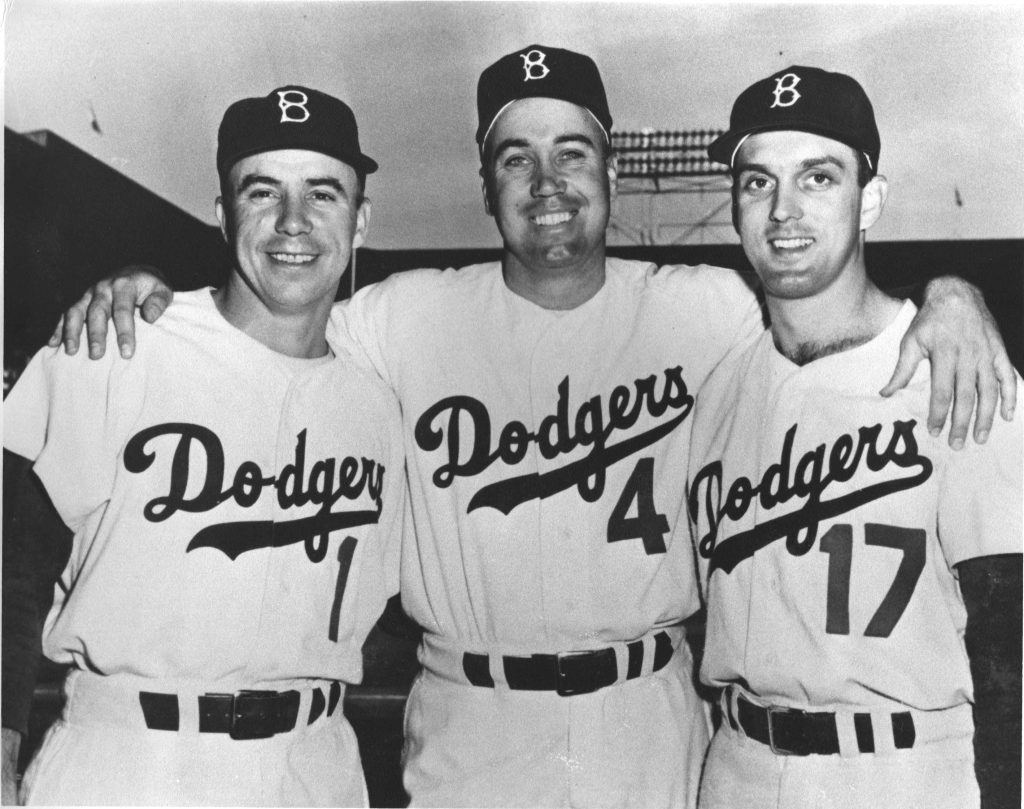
11, 751
36, 546
992, 592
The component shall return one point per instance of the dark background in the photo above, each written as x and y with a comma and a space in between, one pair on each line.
70, 220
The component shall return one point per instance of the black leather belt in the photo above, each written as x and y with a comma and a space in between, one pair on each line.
792, 732
567, 673
243, 715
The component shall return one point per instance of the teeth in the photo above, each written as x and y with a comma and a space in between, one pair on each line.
292, 258
790, 244
549, 219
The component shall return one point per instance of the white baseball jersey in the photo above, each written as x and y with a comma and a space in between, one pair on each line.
546, 455
237, 513
828, 523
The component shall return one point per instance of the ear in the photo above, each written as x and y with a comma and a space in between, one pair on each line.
483, 189
735, 207
872, 201
362, 222
612, 167
222, 218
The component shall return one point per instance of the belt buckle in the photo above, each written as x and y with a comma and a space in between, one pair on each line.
248, 721
562, 686
772, 711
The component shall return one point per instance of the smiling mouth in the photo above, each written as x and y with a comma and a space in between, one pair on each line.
293, 258
795, 243
549, 220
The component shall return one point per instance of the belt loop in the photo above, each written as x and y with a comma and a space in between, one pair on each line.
496, 666
732, 695
635, 663
881, 726
853, 731
622, 660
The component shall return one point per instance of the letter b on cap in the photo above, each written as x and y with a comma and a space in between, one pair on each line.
533, 65
786, 94
293, 105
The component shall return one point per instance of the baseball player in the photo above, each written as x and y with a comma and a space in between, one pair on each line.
547, 401
236, 495
838, 540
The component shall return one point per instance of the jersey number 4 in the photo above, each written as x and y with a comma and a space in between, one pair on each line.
648, 525
838, 544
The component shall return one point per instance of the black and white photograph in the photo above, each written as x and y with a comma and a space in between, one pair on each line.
513, 404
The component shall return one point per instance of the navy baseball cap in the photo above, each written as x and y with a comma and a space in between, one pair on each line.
291, 117
540, 71
806, 99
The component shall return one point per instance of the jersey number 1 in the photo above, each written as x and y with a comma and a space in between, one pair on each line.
346, 550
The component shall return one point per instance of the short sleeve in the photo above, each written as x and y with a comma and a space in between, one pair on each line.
981, 498
61, 415
362, 320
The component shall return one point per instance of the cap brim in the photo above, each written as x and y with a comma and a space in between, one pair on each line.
359, 162
723, 149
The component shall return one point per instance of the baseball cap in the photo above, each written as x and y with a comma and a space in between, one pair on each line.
540, 71
291, 117
807, 99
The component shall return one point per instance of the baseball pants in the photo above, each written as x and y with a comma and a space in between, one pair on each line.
100, 751
936, 773
638, 743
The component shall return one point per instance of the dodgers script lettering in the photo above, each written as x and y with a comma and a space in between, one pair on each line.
328, 481
809, 478
462, 425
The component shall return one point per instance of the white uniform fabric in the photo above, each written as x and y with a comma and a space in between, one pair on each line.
828, 523
546, 455
237, 518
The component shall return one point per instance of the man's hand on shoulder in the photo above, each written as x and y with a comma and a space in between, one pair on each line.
956, 332
115, 298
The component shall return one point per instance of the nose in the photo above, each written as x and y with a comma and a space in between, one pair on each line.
547, 181
786, 203
293, 219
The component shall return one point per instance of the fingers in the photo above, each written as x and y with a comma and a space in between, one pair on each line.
988, 396
943, 387
910, 357
69, 327
57, 334
123, 315
96, 318
1007, 379
965, 393
156, 303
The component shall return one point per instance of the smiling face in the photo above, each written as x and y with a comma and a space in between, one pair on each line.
291, 218
800, 211
548, 182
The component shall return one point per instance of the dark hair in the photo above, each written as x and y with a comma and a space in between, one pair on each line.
864, 170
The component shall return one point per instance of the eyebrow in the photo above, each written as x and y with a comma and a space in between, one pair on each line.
809, 163
521, 143
250, 180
